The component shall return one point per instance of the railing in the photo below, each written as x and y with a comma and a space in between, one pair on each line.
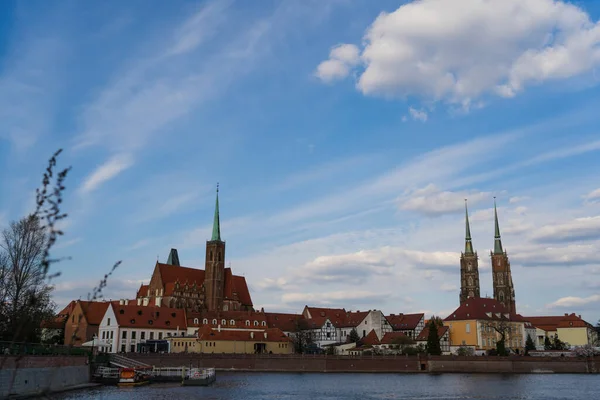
21, 348
168, 372
107, 373
124, 362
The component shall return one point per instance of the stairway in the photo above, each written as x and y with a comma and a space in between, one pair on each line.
118, 360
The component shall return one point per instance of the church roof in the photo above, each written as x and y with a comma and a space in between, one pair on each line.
142, 291
233, 283
482, 309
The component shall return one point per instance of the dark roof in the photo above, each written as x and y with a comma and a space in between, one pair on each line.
404, 322
370, 340
94, 310
425, 333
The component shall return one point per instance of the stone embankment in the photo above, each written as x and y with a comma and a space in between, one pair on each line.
35, 375
319, 363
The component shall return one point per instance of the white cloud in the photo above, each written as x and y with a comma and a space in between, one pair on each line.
517, 199
573, 301
348, 299
432, 201
418, 115
448, 287
110, 169
593, 196
341, 59
559, 256
459, 50
578, 229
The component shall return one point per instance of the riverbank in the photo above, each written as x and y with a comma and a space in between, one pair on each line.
374, 364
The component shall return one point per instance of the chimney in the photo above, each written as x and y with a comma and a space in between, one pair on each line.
566, 314
579, 316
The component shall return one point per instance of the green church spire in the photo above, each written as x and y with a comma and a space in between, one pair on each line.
497, 240
468, 243
216, 233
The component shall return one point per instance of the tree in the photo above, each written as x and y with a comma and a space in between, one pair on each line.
465, 351
302, 337
403, 342
547, 343
353, 337
529, 345
558, 344
501, 327
433, 339
25, 301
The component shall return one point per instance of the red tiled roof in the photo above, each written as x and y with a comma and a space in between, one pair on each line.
233, 283
390, 337
551, 323
68, 309
142, 291
134, 316
273, 335
479, 308
94, 311
285, 322
339, 317
404, 322
370, 340
239, 317
353, 319
425, 333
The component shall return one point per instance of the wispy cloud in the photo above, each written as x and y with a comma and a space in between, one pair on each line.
574, 301
107, 171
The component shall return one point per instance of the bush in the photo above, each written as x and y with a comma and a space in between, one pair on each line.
465, 351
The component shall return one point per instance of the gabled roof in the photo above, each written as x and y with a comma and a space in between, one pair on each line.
134, 316
404, 322
93, 310
425, 333
272, 335
317, 316
353, 319
142, 291
390, 337
370, 340
482, 309
285, 322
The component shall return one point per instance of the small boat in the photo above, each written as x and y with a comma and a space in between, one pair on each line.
199, 377
130, 377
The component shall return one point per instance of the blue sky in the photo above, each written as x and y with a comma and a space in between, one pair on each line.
344, 135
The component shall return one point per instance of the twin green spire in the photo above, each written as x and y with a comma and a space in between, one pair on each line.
497, 240
468, 243
216, 233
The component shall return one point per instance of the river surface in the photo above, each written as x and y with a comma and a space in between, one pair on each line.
331, 386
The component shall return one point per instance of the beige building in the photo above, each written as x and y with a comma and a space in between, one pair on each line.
233, 341
569, 328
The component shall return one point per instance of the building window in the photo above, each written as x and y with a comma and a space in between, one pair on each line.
124, 335
328, 334
108, 322
223, 322
255, 323
151, 335
205, 321
214, 321
264, 323
143, 335
132, 348
111, 334
122, 348
160, 336
468, 328
247, 323
196, 321
133, 335
232, 322
219, 256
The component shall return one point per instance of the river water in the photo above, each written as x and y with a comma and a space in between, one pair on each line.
331, 386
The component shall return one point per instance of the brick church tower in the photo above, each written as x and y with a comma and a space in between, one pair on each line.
469, 267
504, 290
214, 281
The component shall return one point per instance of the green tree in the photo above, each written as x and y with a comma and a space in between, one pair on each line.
465, 351
353, 337
433, 339
547, 343
529, 345
302, 336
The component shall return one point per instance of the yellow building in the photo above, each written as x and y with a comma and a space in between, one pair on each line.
233, 341
477, 321
570, 329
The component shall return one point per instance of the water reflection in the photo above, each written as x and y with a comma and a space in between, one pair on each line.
284, 386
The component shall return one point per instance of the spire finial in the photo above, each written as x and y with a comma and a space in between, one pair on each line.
497, 240
216, 233
468, 243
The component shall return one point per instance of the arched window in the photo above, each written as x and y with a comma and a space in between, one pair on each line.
255, 323
264, 323
232, 322
205, 321
470, 281
247, 323
469, 266
223, 322
214, 321
195, 320
501, 297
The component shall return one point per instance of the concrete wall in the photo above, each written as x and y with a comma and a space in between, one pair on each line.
317, 363
41, 374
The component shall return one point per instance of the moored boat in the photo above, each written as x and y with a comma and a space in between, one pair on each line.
199, 377
131, 377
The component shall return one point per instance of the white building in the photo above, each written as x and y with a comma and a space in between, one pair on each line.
124, 327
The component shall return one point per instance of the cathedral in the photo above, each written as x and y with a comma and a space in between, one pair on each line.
504, 291
213, 289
